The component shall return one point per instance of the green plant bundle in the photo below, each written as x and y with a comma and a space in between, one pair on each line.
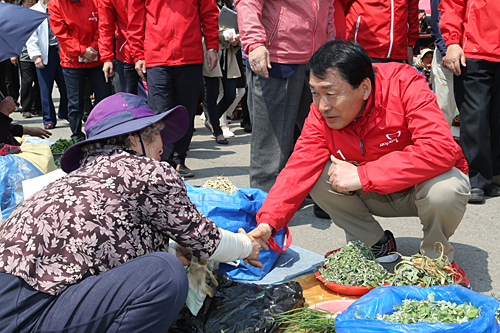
354, 265
422, 271
497, 315
304, 320
61, 145
431, 311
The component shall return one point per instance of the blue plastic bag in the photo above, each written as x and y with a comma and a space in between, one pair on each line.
13, 170
381, 300
232, 211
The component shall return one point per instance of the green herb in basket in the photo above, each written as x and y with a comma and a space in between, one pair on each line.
306, 320
61, 145
354, 265
431, 311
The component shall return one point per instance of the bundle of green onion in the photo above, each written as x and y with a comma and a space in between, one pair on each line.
306, 320
354, 265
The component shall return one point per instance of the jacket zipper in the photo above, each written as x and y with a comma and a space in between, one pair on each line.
276, 26
468, 14
315, 24
357, 28
361, 146
122, 46
392, 29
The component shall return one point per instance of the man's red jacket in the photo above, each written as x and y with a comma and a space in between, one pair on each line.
76, 28
401, 140
113, 19
474, 25
168, 33
384, 28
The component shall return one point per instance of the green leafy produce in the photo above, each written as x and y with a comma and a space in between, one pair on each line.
497, 315
354, 265
305, 320
422, 271
59, 147
431, 311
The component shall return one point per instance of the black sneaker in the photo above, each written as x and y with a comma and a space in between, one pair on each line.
385, 252
318, 212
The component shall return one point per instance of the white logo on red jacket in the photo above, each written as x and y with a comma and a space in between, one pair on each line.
393, 137
94, 17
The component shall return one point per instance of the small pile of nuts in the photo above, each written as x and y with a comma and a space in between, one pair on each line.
222, 184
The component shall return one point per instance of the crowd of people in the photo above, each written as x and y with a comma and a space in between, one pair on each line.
335, 109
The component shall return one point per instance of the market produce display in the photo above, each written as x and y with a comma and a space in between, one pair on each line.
431, 311
222, 184
422, 271
353, 265
59, 147
306, 320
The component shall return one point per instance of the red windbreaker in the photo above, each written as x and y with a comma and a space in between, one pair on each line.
75, 25
401, 140
168, 33
474, 25
113, 19
384, 28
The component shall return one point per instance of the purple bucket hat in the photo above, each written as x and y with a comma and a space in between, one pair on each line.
121, 114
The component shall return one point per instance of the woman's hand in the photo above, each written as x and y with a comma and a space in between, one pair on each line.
36, 131
7, 106
257, 244
183, 255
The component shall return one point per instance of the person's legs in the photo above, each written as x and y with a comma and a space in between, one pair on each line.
101, 88
211, 93
473, 94
27, 79
75, 79
119, 69
275, 111
442, 85
132, 79
187, 82
62, 112
142, 295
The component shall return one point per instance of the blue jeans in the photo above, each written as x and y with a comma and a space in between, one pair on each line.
75, 84
46, 77
130, 81
142, 295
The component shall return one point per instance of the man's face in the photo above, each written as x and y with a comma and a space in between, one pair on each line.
335, 98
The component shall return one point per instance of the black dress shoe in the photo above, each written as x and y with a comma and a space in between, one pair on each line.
491, 191
318, 212
477, 196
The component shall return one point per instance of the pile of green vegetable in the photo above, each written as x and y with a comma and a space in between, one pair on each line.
497, 315
422, 271
431, 311
354, 265
59, 147
306, 320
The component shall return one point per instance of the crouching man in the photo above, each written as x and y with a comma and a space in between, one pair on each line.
375, 143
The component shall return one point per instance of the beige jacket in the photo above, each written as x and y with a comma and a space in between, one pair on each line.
229, 52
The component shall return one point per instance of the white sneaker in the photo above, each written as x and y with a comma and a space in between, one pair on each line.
227, 133
202, 116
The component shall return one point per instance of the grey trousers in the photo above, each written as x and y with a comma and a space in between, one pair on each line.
442, 85
278, 107
439, 202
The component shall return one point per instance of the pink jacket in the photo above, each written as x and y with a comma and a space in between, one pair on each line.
401, 140
291, 30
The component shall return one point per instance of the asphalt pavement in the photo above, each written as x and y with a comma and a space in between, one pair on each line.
475, 240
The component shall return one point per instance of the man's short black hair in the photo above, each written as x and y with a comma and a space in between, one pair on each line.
350, 58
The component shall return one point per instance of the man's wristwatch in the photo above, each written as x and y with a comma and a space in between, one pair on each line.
213, 50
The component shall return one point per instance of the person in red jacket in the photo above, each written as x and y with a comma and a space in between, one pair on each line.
74, 22
165, 39
470, 30
113, 20
375, 143
386, 29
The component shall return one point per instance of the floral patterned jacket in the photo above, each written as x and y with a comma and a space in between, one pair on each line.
118, 206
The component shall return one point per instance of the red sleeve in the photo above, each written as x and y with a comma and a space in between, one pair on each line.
336, 20
413, 25
452, 19
433, 151
252, 32
107, 24
136, 28
209, 15
71, 44
95, 38
298, 177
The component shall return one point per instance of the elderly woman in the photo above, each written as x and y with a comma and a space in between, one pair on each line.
88, 253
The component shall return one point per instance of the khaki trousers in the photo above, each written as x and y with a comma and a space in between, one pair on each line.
442, 85
439, 202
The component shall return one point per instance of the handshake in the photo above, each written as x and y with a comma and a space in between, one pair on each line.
259, 237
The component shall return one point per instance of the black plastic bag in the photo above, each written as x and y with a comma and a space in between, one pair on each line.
241, 308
